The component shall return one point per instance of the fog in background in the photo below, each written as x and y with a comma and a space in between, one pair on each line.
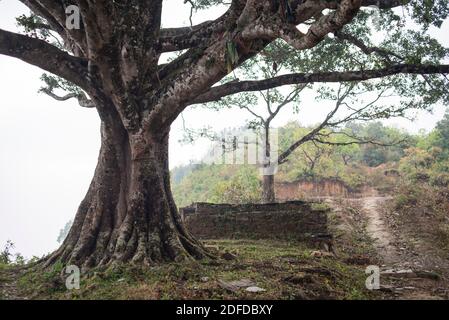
48, 149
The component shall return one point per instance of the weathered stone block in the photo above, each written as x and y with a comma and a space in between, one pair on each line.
294, 220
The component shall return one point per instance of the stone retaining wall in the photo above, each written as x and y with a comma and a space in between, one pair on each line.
293, 220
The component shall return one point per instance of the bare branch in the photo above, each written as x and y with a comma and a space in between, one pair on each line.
288, 99
252, 112
356, 140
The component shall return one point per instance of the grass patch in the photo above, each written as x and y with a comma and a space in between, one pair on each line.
286, 270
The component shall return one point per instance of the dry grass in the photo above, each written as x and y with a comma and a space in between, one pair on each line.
286, 270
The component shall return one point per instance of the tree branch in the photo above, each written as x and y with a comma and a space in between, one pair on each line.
288, 99
386, 54
176, 39
217, 92
54, 13
309, 136
385, 4
357, 140
45, 56
81, 97
315, 133
52, 19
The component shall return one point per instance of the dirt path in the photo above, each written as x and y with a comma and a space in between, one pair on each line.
407, 273
378, 230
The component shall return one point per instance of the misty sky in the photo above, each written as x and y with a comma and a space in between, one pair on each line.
48, 149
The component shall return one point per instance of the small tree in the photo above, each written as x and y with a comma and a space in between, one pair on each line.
6, 254
442, 135
64, 231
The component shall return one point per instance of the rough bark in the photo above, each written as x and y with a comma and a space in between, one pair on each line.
128, 213
268, 194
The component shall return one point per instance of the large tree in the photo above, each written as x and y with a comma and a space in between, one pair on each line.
113, 58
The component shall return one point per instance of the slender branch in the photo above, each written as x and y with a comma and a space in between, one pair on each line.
81, 97
312, 135
309, 136
288, 99
215, 93
357, 140
386, 54
252, 112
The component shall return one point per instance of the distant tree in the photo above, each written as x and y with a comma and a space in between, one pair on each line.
416, 164
199, 185
6, 254
384, 150
64, 231
178, 173
429, 158
348, 153
243, 187
207, 181
442, 136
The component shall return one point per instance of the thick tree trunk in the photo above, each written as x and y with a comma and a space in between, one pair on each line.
128, 214
268, 193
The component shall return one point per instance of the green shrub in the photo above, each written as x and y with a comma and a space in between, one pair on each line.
440, 179
244, 187
419, 176
402, 201
407, 196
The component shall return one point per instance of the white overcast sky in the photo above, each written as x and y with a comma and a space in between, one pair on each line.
48, 149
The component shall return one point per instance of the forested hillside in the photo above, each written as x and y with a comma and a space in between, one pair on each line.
391, 151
